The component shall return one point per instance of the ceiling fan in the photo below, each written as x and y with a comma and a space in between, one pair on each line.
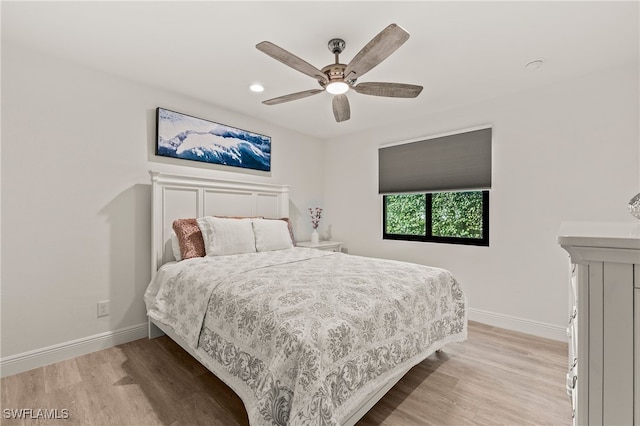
338, 78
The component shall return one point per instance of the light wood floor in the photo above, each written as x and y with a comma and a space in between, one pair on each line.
496, 377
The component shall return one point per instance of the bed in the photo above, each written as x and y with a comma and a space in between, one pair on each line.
303, 336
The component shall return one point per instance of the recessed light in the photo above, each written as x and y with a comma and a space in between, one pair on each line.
535, 64
256, 87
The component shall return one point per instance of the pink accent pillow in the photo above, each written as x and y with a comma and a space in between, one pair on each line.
189, 238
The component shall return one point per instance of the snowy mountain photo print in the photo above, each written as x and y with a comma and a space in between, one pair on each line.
191, 138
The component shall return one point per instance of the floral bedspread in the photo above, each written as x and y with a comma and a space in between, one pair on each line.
302, 335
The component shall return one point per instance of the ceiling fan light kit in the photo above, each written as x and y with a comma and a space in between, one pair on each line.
337, 87
337, 78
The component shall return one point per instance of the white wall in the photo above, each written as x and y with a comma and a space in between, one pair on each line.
77, 146
566, 152
76, 195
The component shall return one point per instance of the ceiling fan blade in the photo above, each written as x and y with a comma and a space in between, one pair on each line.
391, 90
292, 97
376, 51
341, 110
291, 60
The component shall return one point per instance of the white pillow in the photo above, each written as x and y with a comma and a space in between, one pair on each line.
175, 246
271, 234
224, 236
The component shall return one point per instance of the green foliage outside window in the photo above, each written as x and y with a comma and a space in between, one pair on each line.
457, 214
405, 214
453, 214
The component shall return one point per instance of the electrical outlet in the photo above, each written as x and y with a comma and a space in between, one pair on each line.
103, 308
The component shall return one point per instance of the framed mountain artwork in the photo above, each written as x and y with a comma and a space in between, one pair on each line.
196, 139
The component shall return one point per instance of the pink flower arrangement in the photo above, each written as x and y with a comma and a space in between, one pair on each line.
316, 214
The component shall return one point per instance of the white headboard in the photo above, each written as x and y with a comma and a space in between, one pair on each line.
178, 197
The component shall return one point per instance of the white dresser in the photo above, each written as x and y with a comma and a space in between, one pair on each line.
604, 323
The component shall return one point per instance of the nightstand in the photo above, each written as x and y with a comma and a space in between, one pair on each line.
322, 245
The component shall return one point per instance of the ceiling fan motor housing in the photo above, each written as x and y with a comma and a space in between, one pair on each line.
335, 72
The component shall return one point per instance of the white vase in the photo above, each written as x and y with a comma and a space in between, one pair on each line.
315, 238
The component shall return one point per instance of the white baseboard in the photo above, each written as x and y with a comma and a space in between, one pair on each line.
44, 356
522, 325
15, 364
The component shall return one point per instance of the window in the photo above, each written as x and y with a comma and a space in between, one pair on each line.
436, 189
445, 217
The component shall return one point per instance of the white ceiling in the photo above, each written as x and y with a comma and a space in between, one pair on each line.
461, 52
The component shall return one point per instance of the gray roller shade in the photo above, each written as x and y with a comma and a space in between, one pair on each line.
449, 163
